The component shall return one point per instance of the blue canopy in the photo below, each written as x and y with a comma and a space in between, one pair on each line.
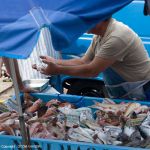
21, 21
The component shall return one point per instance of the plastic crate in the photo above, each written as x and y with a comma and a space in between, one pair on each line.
14, 142
80, 101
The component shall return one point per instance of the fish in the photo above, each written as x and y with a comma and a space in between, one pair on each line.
11, 117
145, 143
106, 107
66, 104
50, 111
90, 131
38, 130
104, 137
114, 123
34, 128
83, 132
56, 131
91, 125
53, 102
75, 116
111, 106
7, 128
130, 108
135, 139
113, 131
16, 125
36, 105
76, 136
128, 130
97, 140
109, 118
123, 138
41, 111
145, 126
136, 136
145, 129
9, 122
4, 115
141, 109
33, 119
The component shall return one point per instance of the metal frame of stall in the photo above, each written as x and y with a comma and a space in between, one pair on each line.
24, 133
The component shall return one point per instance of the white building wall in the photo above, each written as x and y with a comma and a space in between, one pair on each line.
43, 47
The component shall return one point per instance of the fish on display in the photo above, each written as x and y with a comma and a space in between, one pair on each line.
126, 124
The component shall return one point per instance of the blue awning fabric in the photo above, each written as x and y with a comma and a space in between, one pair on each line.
21, 21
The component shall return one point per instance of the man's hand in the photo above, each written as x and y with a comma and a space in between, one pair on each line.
51, 68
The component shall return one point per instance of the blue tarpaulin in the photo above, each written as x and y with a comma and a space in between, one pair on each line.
21, 21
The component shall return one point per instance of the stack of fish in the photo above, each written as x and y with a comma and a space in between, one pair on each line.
125, 124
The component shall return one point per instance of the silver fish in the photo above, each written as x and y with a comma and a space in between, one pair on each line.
78, 137
92, 125
113, 131
104, 137
9, 122
145, 126
116, 142
129, 130
83, 132
145, 129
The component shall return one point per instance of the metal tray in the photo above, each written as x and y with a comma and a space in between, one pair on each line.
36, 84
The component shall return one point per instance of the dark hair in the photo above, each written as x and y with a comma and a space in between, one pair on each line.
107, 19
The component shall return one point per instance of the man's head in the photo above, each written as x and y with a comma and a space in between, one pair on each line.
100, 28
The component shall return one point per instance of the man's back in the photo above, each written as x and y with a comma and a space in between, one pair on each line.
123, 45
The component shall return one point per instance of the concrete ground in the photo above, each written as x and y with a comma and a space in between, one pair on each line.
6, 89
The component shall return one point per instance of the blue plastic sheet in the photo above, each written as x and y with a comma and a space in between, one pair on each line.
21, 21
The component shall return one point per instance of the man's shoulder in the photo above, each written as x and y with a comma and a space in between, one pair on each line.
121, 31
118, 27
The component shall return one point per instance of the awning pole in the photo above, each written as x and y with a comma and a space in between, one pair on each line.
21, 117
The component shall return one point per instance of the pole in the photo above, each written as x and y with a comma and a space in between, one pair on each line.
21, 117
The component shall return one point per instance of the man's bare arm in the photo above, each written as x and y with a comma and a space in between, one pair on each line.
69, 62
91, 69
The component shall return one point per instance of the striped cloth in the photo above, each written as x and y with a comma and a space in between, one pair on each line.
44, 47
